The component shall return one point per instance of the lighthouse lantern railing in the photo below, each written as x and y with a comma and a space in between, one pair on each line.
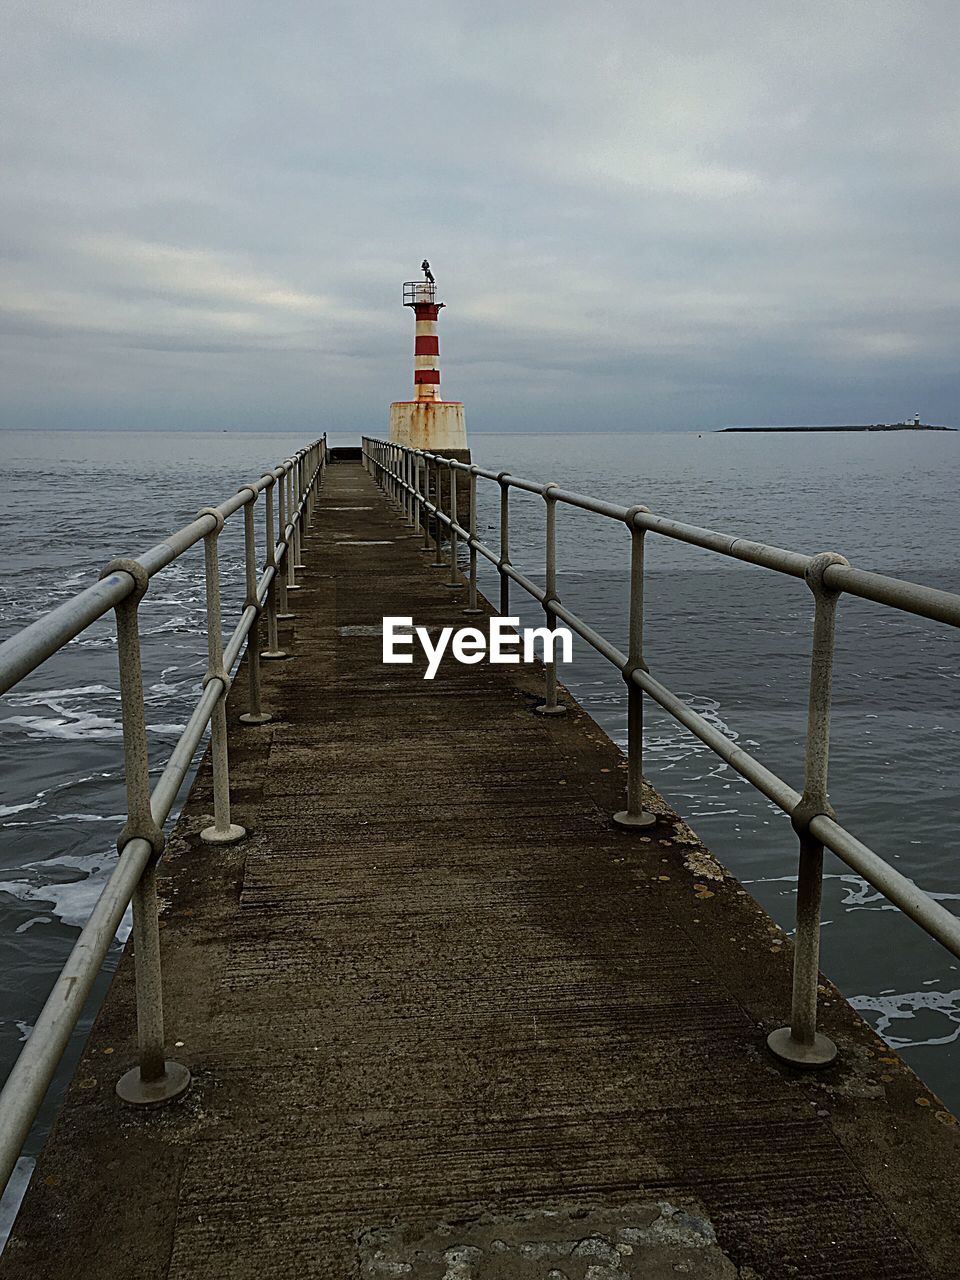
420, 291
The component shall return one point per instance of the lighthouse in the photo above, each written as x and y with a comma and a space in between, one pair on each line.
427, 421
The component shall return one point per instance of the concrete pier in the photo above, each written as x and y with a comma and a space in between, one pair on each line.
447, 1022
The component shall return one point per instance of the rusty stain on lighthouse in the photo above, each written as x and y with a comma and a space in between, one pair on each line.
426, 421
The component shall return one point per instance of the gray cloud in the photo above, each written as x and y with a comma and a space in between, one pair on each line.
640, 215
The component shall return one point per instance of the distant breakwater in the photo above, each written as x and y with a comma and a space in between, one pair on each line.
880, 426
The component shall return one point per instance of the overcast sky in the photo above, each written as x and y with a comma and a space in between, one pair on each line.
673, 215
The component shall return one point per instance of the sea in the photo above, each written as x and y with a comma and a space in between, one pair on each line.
730, 639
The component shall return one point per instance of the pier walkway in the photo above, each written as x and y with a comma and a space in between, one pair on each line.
446, 1021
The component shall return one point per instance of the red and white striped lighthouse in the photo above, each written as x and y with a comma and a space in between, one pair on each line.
427, 422
426, 350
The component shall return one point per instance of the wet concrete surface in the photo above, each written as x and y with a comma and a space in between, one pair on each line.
445, 1020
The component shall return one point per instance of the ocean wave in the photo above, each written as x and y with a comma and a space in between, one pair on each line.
859, 894
8, 810
28, 924
78, 712
117, 819
165, 689
667, 744
71, 902
937, 1012
53, 697
70, 726
79, 780
84, 641
180, 623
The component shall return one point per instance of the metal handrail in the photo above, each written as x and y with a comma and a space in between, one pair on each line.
411, 477
122, 585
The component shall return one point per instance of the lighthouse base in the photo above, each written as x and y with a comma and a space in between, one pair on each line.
435, 425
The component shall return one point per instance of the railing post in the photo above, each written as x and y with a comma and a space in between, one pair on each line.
408, 490
472, 605
423, 474
438, 561
320, 467
801, 1044
402, 495
156, 1078
503, 480
310, 474
299, 510
454, 580
416, 508
255, 713
273, 652
294, 524
550, 706
284, 613
634, 815
223, 830
290, 527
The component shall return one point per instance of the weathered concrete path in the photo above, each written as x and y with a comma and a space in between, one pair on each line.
446, 1021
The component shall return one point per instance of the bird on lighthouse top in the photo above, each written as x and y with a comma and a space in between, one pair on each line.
428, 274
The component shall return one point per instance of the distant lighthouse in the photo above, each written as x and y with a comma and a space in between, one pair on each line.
426, 421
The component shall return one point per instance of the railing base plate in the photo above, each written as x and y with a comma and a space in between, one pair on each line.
233, 833
153, 1093
273, 655
249, 718
783, 1046
626, 819
544, 710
